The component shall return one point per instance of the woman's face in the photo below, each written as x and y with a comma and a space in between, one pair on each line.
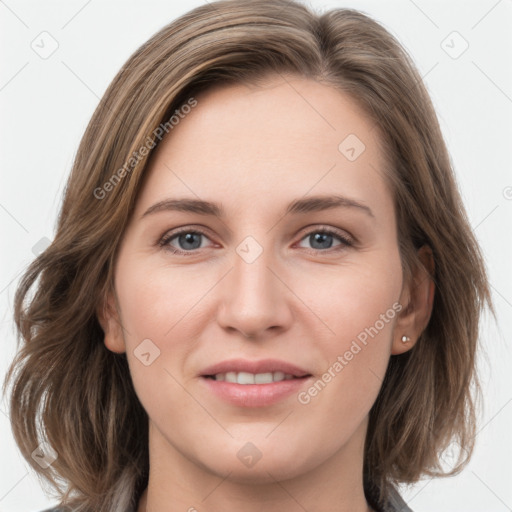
263, 253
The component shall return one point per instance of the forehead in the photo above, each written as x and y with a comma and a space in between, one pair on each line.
287, 136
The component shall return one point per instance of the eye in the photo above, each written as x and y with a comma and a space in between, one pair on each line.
186, 241
322, 239
183, 242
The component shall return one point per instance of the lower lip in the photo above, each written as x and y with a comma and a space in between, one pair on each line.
255, 395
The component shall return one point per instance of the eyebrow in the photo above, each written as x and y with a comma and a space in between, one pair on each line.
299, 206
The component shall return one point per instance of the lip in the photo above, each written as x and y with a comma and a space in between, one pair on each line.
254, 395
261, 366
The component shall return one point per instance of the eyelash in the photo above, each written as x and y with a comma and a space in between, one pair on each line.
345, 241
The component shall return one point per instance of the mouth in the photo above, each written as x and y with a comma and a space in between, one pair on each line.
246, 378
245, 383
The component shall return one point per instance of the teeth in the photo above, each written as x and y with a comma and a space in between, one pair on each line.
251, 378
245, 378
264, 378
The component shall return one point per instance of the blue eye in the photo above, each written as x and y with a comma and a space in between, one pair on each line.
323, 239
187, 241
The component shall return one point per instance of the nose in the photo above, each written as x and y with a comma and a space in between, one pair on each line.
254, 299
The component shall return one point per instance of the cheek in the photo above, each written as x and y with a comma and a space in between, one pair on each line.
357, 298
160, 308
360, 308
157, 300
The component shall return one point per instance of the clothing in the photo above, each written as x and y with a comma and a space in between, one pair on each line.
395, 504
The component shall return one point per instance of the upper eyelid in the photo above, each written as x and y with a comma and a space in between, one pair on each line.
324, 227
171, 233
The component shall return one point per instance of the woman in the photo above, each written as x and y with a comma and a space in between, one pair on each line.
314, 346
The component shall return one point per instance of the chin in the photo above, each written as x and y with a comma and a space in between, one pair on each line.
262, 462
262, 473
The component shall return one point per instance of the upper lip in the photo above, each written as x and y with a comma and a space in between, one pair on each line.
261, 366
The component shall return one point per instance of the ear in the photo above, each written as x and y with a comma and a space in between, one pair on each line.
417, 300
109, 319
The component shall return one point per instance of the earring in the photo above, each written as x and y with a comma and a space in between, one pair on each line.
405, 339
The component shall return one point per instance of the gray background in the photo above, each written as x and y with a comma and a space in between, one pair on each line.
47, 100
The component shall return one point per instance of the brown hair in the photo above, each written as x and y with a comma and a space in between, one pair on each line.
71, 391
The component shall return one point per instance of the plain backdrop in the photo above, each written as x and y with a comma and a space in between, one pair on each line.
463, 49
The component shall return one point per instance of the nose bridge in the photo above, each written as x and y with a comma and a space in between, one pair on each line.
253, 299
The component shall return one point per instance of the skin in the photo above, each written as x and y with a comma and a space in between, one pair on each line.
254, 150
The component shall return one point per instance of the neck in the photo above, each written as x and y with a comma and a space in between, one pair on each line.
177, 483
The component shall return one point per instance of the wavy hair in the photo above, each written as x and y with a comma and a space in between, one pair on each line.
70, 391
